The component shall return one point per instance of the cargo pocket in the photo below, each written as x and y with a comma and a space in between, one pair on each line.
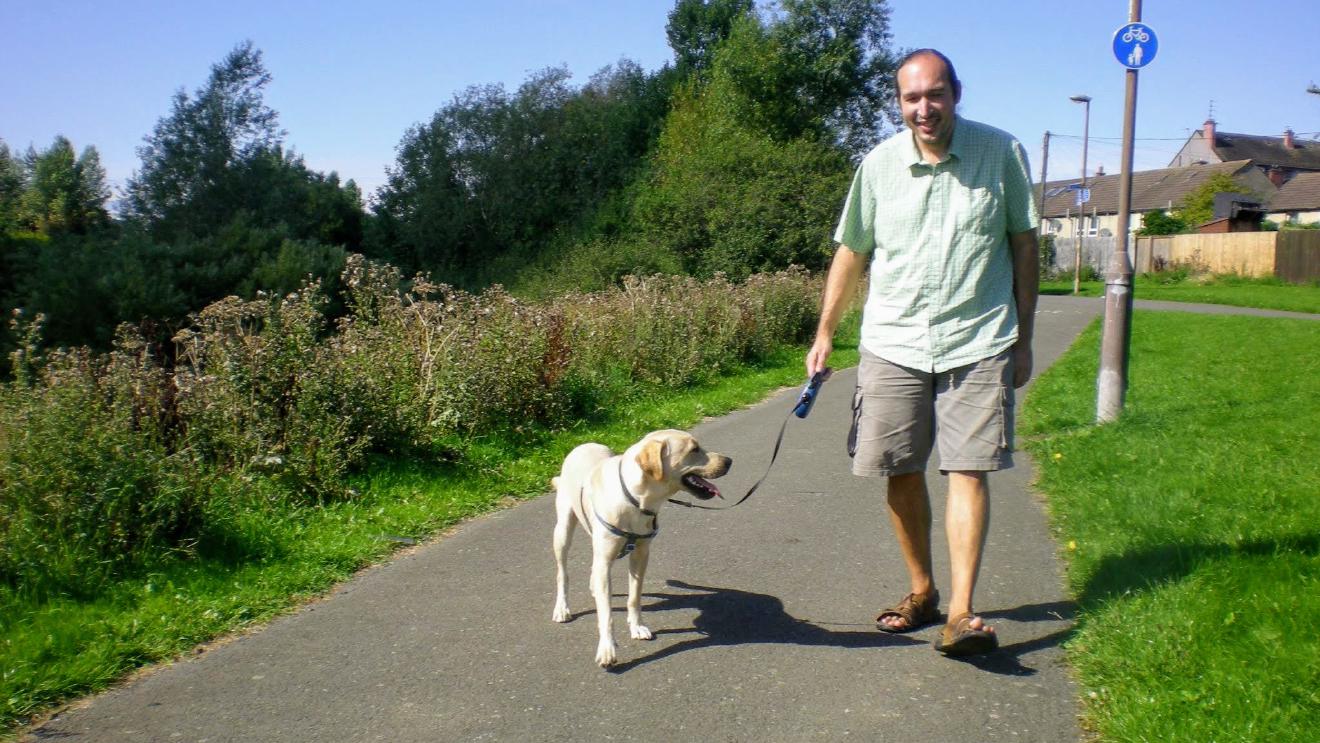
856, 421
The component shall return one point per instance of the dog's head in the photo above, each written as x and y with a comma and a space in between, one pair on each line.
676, 461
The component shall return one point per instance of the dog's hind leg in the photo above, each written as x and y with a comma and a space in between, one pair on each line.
565, 525
636, 573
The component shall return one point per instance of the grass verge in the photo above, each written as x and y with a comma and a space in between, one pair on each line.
1192, 528
53, 651
1267, 293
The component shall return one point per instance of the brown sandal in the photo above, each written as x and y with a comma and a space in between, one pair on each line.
959, 639
916, 611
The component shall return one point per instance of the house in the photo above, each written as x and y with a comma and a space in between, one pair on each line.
1298, 201
1279, 158
1151, 190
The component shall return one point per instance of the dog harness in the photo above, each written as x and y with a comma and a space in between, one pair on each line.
630, 539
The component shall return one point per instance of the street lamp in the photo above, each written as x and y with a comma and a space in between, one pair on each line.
1081, 205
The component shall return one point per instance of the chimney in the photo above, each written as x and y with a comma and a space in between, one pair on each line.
1277, 176
1099, 170
1288, 143
1208, 131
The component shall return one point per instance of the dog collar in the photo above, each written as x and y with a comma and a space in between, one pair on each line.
628, 494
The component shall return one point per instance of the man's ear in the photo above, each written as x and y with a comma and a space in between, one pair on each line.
652, 459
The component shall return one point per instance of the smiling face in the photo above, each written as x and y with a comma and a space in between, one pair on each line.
927, 98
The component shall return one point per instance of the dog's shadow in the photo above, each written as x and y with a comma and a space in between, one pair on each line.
730, 617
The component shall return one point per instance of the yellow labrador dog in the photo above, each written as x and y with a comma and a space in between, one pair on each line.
615, 498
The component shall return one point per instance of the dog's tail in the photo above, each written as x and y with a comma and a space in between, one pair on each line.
554, 483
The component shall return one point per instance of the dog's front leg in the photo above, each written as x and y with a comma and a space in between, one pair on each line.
636, 573
606, 650
562, 540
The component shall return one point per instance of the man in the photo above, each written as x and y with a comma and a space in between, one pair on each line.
944, 212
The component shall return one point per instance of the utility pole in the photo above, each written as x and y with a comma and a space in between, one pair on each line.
1081, 205
1044, 169
1117, 334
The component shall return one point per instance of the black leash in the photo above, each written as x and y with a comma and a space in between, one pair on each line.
801, 407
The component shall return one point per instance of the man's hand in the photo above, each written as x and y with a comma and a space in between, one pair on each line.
819, 355
1021, 364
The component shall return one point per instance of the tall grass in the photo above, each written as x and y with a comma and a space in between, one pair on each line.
111, 463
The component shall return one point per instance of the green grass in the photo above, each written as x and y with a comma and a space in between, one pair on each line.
1192, 528
53, 651
1178, 286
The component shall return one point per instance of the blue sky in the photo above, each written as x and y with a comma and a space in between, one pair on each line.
351, 77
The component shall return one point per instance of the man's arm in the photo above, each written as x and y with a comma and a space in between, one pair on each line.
1026, 286
840, 285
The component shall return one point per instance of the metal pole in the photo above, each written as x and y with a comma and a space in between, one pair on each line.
1115, 339
1081, 206
1044, 179
1044, 168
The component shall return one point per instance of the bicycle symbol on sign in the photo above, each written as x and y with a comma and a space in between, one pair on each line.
1135, 33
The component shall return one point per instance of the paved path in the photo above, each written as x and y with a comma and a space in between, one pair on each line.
763, 621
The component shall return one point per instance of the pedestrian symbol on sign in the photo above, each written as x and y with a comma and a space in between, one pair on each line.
1135, 45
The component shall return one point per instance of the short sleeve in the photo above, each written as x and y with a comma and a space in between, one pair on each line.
856, 227
1020, 205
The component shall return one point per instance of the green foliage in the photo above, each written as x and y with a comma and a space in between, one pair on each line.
110, 462
1160, 222
492, 177
1198, 207
727, 198
185, 185
696, 29
88, 484
52, 191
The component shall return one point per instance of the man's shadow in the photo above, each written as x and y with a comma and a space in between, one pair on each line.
727, 616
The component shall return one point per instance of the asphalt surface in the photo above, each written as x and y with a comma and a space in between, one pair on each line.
763, 619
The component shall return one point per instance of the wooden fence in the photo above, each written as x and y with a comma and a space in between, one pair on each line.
1291, 255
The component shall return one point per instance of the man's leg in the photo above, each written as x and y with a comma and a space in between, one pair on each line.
909, 510
967, 515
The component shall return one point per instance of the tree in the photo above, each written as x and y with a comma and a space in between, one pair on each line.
184, 188
822, 68
1198, 206
61, 192
1160, 222
12, 184
494, 177
697, 27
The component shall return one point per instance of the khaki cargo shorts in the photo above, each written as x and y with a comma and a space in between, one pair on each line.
899, 414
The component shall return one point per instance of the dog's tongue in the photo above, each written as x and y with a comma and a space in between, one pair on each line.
701, 487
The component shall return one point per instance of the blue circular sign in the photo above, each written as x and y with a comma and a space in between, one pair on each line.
1135, 45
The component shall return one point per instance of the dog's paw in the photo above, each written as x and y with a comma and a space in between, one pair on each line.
640, 632
606, 653
561, 613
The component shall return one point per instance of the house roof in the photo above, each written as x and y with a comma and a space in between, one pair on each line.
1302, 193
1268, 151
1151, 189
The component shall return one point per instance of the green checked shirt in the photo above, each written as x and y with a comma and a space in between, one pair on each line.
941, 291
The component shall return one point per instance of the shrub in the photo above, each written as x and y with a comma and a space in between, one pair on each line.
109, 461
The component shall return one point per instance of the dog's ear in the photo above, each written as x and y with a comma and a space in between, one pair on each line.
652, 459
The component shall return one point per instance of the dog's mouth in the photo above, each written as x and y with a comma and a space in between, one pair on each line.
700, 487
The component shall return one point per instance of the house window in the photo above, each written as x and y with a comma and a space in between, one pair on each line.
1091, 226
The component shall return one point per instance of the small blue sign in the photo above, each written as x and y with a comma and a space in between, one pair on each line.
1135, 45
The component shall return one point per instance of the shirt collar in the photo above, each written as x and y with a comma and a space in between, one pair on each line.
913, 155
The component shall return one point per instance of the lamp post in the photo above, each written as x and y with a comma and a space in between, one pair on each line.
1085, 100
